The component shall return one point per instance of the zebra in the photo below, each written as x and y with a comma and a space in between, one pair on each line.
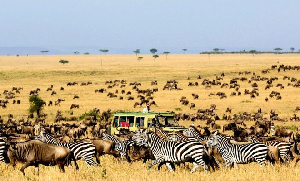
178, 137
84, 150
193, 134
3, 151
120, 146
283, 147
168, 151
234, 153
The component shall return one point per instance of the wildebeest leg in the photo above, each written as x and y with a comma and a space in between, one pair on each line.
27, 164
97, 158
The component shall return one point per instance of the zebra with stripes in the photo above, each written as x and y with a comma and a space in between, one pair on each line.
236, 153
178, 137
3, 151
85, 150
283, 147
169, 151
120, 146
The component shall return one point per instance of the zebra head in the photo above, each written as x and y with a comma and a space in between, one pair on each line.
188, 132
46, 138
213, 140
141, 138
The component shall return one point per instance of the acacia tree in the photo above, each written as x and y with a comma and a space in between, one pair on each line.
44, 52
184, 50
36, 104
137, 51
155, 56
140, 58
277, 49
166, 53
216, 50
253, 52
104, 51
76, 52
292, 49
153, 50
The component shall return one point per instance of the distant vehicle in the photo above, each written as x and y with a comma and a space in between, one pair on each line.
132, 121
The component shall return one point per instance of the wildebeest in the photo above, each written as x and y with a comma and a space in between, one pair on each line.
34, 152
283, 132
74, 106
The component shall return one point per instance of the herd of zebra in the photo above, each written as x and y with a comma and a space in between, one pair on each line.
209, 151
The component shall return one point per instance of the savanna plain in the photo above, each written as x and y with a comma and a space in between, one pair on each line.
31, 72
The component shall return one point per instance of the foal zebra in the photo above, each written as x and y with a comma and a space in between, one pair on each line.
234, 153
120, 146
84, 150
168, 151
283, 147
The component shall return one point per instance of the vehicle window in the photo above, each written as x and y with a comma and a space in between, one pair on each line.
140, 121
123, 121
130, 120
116, 123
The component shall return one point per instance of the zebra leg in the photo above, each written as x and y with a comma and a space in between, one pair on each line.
154, 163
195, 167
170, 166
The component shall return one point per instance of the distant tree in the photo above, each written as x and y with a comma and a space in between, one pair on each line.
292, 49
104, 51
216, 50
137, 51
63, 61
277, 49
36, 104
76, 52
155, 56
86, 53
140, 58
253, 52
184, 50
44, 52
166, 53
153, 50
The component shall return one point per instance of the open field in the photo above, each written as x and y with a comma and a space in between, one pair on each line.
42, 71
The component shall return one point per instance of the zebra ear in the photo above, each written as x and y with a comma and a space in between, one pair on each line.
216, 133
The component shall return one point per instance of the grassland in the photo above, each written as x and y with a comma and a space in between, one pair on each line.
31, 72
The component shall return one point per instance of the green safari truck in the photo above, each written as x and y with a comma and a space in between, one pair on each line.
133, 120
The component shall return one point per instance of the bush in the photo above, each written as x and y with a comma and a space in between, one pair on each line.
88, 114
63, 61
36, 104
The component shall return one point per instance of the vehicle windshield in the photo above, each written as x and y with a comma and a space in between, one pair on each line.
167, 121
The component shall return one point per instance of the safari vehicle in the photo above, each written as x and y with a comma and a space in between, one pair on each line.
131, 121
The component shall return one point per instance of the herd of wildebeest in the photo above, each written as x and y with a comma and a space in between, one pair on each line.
33, 140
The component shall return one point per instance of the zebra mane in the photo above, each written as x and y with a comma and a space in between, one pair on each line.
161, 133
198, 131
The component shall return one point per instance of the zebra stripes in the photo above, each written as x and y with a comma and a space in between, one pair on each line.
233, 153
178, 137
3, 150
283, 147
120, 146
84, 150
168, 151
193, 134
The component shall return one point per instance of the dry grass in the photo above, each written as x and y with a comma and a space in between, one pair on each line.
42, 71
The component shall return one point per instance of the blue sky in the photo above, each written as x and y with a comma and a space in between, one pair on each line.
168, 25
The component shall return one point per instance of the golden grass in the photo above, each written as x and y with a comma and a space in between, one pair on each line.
42, 71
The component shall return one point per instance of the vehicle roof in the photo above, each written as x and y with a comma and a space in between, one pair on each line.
144, 114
